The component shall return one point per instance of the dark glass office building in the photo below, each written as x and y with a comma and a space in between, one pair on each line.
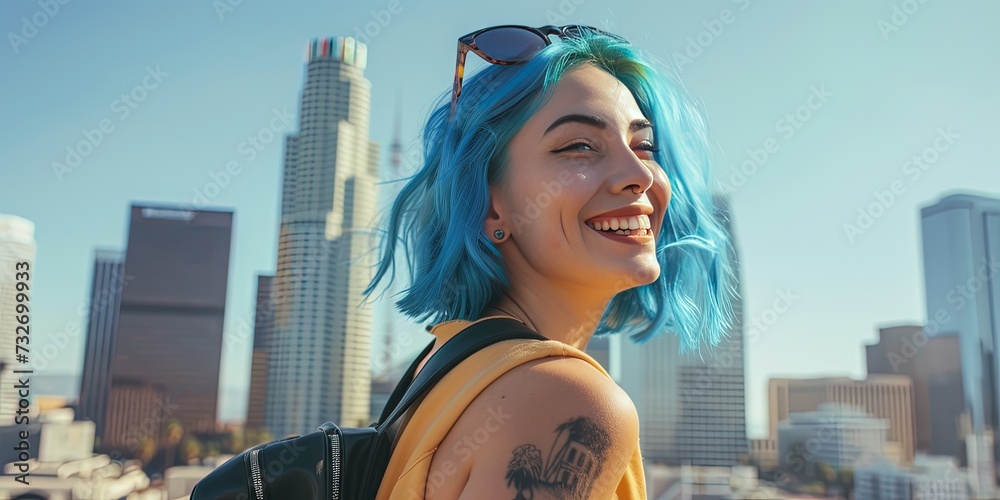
172, 311
102, 325
262, 327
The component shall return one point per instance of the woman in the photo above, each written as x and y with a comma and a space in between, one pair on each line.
544, 196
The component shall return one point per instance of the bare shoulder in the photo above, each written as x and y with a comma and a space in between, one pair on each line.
550, 428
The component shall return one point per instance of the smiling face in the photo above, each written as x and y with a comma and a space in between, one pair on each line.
579, 171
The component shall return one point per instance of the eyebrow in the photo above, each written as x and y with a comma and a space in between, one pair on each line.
596, 121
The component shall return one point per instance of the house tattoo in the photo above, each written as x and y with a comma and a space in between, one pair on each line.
573, 465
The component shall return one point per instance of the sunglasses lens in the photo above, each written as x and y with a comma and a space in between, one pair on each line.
510, 44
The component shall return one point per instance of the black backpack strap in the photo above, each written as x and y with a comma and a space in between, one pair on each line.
404, 382
453, 352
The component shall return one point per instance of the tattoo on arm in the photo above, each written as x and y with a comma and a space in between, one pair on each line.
570, 468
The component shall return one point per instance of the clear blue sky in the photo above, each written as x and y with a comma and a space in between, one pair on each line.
889, 85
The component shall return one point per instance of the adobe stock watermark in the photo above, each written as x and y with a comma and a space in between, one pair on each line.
71, 329
798, 458
565, 9
122, 107
534, 207
901, 14
726, 358
247, 149
225, 7
380, 20
713, 30
48, 9
914, 168
278, 460
465, 448
958, 296
787, 126
245, 330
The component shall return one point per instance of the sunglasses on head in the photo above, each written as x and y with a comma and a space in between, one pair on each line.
511, 44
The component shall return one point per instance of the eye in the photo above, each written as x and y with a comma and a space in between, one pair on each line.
649, 150
648, 146
576, 146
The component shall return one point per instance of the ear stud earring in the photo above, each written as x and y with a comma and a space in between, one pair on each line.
499, 234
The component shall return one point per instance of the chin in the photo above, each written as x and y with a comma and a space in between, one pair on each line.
636, 275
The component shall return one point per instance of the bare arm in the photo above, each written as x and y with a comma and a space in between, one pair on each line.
570, 435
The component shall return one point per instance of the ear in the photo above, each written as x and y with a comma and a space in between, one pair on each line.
494, 218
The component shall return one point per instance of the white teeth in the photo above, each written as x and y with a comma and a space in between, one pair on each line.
635, 232
617, 223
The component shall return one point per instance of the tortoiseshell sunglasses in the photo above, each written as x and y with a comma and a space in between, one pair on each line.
510, 44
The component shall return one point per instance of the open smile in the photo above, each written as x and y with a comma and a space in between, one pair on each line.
631, 229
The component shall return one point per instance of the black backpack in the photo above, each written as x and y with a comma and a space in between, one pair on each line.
340, 463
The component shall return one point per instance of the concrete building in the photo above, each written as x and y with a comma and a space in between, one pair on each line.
961, 252
692, 407
838, 435
931, 477
933, 364
65, 466
263, 327
764, 452
320, 354
106, 286
707, 483
17, 257
889, 397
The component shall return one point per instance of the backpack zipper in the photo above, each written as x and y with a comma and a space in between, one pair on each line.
335, 466
258, 479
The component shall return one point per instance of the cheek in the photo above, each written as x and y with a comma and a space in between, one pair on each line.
549, 208
663, 192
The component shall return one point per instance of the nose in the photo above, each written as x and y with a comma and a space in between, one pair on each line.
632, 173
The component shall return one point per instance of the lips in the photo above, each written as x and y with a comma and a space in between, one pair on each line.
632, 220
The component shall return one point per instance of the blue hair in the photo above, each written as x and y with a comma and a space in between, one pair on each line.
456, 272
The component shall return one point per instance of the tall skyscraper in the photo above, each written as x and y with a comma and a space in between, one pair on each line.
172, 311
932, 363
106, 286
17, 261
961, 246
319, 363
263, 326
888, 397
692, 407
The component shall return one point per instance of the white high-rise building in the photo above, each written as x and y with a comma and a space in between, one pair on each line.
961, 250
692, 407
319, 350
837, 434
17, 268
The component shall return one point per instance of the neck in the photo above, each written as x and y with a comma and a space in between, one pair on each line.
568, 314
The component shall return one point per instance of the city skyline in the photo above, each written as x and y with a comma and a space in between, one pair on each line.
893, 97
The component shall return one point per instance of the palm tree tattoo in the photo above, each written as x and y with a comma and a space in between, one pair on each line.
574, 463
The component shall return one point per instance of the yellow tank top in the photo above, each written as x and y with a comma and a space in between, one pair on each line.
406, 476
